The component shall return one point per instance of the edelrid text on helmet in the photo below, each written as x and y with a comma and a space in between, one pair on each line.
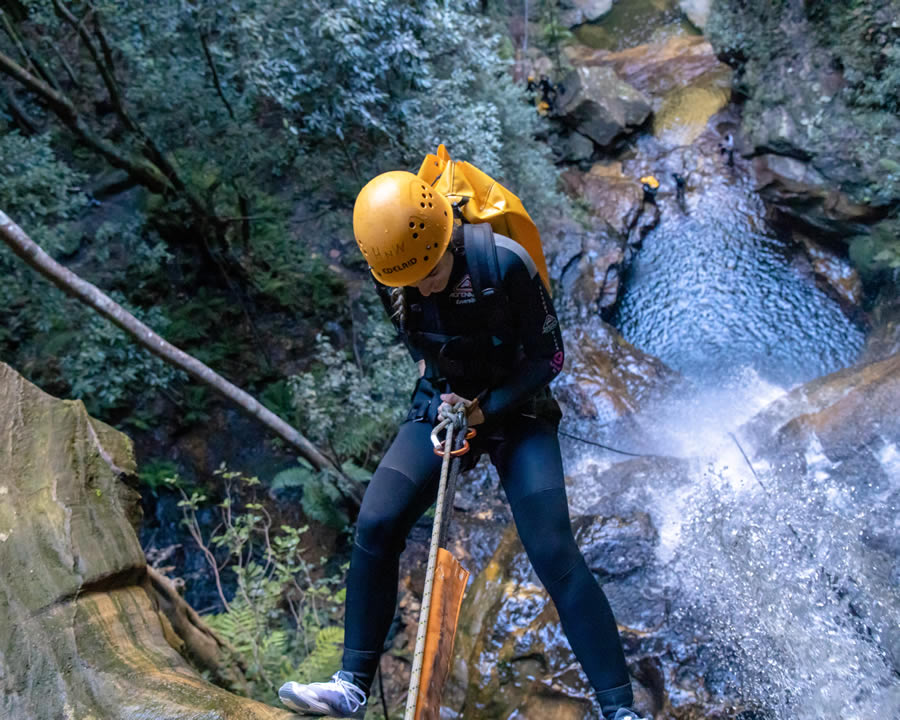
402, 226
398, 268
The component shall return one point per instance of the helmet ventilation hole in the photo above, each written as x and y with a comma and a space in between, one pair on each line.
430, 205
425, 259
412, 224
422, 204
421, 226
415, 235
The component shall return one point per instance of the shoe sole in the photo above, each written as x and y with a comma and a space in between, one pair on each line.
295, 702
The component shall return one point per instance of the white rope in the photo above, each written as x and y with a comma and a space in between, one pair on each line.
457, 422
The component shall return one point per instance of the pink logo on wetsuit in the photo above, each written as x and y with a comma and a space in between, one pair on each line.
557, 362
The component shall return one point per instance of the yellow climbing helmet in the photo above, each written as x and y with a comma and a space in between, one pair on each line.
402, 226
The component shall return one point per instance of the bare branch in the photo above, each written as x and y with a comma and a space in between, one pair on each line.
105, 70
215, 74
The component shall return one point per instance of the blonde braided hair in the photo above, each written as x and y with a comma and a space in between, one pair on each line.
398, 304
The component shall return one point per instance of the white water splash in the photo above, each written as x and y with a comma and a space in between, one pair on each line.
778, 575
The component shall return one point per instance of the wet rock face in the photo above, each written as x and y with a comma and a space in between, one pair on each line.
82, 633
819, 78
590, 262
606, 377
512, 659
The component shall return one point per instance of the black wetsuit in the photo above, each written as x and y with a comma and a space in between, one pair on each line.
510, 375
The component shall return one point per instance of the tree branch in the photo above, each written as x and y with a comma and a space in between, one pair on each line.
105, 70
72, 285
19, 113
141, 169
215, 74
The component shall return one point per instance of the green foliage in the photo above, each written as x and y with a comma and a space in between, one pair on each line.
286, 269
878, 252
103, 365
40, 194
39, 191
325, 659
280, 622
194, 404
156, 474
58, 338
354, 409
277, 397
321, 499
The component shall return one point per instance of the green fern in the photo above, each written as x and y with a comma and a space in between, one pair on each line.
325, 658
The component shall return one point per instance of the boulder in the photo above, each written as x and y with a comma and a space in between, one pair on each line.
684, 80
83, 631
576, 12
600, 105
606, 377
697, 11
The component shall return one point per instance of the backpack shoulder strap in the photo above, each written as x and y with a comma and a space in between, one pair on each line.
481, 255
484, 269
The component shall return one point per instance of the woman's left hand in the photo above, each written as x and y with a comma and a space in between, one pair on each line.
473, 412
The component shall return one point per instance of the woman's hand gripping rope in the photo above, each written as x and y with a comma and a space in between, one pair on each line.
474, 416
455, 417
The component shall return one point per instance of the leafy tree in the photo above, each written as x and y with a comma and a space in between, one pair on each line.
353, 406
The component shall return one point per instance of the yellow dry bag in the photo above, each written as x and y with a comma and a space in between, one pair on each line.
488, 201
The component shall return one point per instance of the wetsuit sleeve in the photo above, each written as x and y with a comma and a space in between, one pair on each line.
384, 295
539, 334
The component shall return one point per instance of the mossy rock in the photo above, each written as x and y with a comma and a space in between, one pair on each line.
81, 636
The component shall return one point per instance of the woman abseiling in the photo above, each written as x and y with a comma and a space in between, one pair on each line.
495, 344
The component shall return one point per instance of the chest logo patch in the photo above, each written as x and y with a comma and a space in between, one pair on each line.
463, 293
550, 324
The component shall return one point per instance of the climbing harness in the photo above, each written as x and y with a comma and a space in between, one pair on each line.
445, 579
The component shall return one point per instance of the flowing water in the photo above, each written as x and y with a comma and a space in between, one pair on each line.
713, 289
789, 577
786, 577
786, 580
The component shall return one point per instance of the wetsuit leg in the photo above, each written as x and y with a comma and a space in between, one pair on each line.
530, 468
402, 488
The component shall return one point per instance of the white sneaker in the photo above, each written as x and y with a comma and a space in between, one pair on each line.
339, 698
627, 714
